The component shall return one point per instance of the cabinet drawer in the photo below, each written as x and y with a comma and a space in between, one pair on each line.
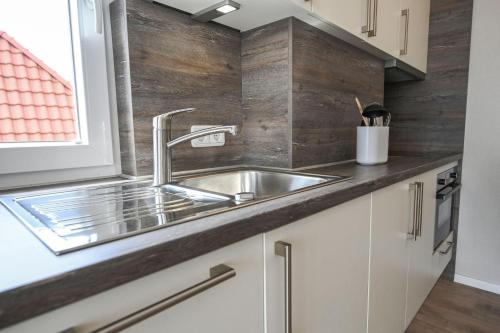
442, 256
233, 305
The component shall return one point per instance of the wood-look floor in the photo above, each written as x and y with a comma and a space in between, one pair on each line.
455, 308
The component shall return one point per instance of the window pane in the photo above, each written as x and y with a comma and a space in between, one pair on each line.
37, 80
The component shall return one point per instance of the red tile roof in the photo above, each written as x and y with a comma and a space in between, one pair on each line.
36, 104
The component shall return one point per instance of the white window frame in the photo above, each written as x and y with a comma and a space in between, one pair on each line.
23, 164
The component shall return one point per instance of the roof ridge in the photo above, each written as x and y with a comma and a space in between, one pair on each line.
35, 59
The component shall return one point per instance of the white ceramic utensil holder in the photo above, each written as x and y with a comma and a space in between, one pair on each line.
372, 145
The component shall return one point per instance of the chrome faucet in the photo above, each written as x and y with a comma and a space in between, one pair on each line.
163, 143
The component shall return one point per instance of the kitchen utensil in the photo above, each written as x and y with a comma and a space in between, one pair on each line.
376, 114
360, 109
387, 119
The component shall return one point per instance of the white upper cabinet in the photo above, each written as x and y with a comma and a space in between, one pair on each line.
384, 20
326, 265
306, 4
414, 33
375, 21
400, 28
350, 15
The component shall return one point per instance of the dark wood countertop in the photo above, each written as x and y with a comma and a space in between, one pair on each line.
34, 280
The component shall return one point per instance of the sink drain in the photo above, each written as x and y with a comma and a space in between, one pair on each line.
244, 196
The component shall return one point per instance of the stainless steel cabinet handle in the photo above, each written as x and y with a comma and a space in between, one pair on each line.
218, 274
448, 192
417, 190
448, 249
420, 186
366, 28
406, 14
284, 250
414, 200
371, 18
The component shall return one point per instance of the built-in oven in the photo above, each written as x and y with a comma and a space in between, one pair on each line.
448, 185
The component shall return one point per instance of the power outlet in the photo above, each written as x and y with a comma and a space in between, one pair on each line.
212, 140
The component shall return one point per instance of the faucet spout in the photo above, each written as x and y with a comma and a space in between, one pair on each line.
232, 129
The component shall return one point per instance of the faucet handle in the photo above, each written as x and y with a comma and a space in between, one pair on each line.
163, 120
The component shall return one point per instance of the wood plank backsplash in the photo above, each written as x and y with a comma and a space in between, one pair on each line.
327, 75
174, 63
265, 62
289, 86
429, 115
299, 85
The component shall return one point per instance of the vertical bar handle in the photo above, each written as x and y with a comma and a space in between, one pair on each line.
367, 28
373, 33
371, 18
284, 250
414, 202
406, 14
420, 206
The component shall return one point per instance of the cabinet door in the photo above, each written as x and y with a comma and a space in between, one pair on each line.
350, 15
329, 271
390, 226
234, 305
417, 36
385, 17
420, 260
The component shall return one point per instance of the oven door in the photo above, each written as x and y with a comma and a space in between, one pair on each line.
444, 213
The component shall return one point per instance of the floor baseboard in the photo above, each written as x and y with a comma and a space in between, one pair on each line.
494, 288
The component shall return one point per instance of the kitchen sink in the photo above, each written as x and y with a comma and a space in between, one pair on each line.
75, 218
256, 183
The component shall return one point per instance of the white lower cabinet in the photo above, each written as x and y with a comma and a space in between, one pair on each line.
403, 269
389, 258
234, 305
420, 276
328, 257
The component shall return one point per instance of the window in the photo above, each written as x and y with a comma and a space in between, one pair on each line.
55, 113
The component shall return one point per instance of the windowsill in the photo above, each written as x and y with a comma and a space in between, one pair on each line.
38, 144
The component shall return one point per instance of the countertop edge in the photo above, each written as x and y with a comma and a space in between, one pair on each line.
36, 298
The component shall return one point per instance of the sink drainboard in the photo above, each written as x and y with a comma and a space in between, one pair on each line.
70, 220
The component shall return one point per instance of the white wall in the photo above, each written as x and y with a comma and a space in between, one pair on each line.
478, 253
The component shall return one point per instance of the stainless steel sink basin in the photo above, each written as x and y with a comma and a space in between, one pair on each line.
256, 183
